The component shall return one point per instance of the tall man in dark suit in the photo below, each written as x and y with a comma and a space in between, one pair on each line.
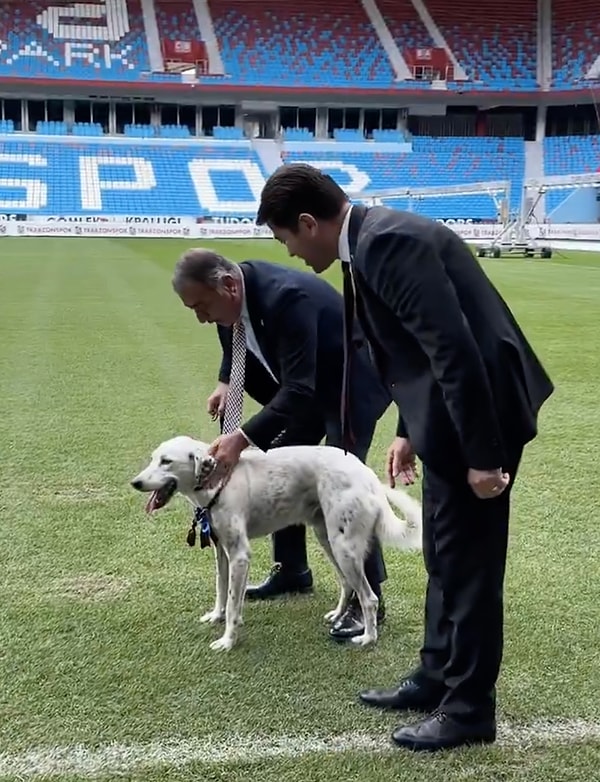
468, 387
294, 360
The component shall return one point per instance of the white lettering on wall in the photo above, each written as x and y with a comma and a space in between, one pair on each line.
36, 191
358, 179
32, 49
92, 185
109, 21
200, 169
88, 53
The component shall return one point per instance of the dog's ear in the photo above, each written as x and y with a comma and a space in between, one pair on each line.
204, 465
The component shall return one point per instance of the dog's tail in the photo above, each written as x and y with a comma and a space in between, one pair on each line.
406, 532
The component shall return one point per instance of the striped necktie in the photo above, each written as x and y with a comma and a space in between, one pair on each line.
235, 395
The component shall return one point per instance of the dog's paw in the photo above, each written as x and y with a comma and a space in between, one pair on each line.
364, 640
223, 644
213, 617
333, 616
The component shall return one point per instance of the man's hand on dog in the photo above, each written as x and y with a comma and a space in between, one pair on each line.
226, 449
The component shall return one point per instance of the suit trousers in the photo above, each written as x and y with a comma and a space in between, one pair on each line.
289, 544
465, 542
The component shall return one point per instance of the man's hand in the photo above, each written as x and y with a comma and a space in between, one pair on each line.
401, 462
488, 484
215, 404
226, 449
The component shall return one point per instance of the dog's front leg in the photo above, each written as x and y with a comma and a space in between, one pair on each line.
239, 562
221, 585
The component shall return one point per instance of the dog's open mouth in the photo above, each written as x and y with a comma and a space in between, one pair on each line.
160, 497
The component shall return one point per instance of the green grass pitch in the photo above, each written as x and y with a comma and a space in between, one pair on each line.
100, 644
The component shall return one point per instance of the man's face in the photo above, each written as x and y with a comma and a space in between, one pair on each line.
220, 305
309, 242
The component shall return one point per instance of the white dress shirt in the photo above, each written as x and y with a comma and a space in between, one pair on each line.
251, 341
343, 240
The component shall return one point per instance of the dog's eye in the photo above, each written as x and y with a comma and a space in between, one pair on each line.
165, 462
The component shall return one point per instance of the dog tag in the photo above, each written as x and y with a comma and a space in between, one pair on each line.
201, 519
198, 518
205, 536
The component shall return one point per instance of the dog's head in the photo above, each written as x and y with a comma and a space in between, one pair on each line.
180, 464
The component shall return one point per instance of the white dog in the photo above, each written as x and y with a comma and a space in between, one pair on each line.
320, 486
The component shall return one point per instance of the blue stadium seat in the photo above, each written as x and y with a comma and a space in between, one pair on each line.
139, 131
7, 126
173, 131
298, 134
433, 162
87, 129
569, 155
51, 128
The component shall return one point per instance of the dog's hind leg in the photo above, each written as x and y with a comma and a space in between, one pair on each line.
221, 585
354, 573
349, 530
345, 590
238, 553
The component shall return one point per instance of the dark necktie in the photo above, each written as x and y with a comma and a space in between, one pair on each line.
349, 312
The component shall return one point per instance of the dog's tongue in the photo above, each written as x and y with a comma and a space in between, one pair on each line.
151, 504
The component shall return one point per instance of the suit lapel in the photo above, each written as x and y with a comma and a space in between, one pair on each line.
253, 303
357, 216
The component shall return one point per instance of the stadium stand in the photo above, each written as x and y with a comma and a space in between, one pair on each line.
226, 174
274, 43
405, 24
576, 42
496, 43
176, 20
271, 42
75, 177
569, 155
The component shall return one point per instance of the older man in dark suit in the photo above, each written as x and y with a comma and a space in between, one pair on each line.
293, 366
469, 388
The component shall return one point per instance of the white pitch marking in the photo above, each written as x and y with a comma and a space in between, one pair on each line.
87, 762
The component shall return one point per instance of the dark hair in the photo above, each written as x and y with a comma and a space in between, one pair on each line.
297, 188
203, 266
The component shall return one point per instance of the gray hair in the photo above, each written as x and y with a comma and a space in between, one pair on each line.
202, 266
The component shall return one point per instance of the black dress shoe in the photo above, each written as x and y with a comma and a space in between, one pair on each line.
351, 624
409, 694
443, 731
281, 582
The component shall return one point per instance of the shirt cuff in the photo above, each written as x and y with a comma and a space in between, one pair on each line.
245, 436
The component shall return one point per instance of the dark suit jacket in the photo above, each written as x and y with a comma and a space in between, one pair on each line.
297, 319
465, 379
